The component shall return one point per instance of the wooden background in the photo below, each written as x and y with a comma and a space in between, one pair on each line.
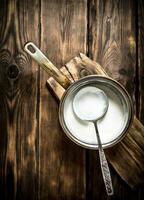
37, 161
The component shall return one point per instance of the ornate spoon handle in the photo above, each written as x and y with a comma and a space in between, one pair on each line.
106, 173
104, 166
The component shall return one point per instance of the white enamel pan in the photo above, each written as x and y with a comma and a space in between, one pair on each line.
111, 87
112, 127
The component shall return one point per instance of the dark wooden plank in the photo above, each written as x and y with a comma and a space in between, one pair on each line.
18, 100
141, 60
140, 69
62, 163
112, 42
112, 39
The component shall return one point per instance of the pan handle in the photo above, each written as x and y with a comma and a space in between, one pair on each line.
44, 62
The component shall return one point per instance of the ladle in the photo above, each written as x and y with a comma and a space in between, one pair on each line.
91, 104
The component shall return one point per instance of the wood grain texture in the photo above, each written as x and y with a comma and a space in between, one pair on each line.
140, 75
62, 164
18, 101
37, 161
112, 40
140, 68
112, 43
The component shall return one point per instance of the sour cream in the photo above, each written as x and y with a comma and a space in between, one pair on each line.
110, 126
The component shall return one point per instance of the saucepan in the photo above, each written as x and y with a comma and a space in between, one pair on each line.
115, 120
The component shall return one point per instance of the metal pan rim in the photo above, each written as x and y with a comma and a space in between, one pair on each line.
84, 81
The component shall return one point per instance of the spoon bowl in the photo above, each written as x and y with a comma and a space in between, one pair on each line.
90, 104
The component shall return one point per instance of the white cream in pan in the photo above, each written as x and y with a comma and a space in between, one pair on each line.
110, 126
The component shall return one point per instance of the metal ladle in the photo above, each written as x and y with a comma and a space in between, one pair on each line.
91, 104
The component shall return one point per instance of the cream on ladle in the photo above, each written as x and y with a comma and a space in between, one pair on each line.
91, 104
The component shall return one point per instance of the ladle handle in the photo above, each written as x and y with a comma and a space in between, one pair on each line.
44, 62
104, 166
106, 173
